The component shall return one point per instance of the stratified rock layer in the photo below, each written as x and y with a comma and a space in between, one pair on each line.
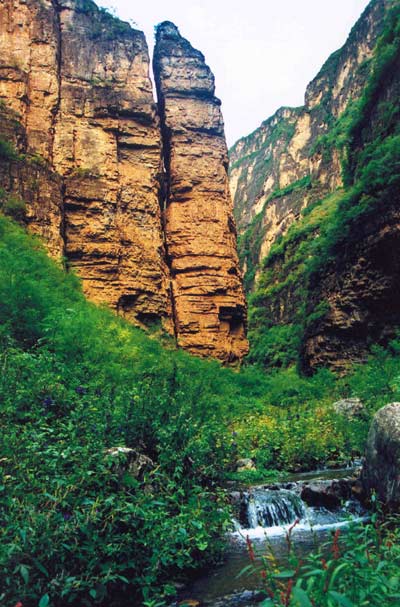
81, 164
107, 145
323, 295
208, 301
273, 168
79, 81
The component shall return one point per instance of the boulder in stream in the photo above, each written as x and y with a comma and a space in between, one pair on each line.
317, 496
381, 470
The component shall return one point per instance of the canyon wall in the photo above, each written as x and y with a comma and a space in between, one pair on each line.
82, 160
318, 221
280, 168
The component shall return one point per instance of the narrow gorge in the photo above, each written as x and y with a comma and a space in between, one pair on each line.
316, 201
199, 348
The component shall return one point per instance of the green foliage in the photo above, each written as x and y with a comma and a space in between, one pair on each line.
296, 427
13, 206
300, 184
356, 569
275, 347
105, 25
75, 381
7, 150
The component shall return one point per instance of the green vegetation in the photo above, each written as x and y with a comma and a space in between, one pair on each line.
7, 150
13, 206
76, 381
104, 24
355, 569
82, 528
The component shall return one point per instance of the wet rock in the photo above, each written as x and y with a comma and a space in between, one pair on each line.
349, 407
381, 470
315, 495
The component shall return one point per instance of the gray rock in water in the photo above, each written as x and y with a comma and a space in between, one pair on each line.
349, 407
381, 470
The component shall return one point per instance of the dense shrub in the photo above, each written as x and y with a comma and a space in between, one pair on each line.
76, 380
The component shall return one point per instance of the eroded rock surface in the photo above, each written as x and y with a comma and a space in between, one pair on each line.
208, 301
79, 111
330, 294
79, 81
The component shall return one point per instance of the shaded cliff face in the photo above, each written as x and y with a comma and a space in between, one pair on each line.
320, 249
208, 300
81, 163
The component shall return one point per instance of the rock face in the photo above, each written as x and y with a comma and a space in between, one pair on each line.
267, 165
87, 160
327, 295
208, 302
381, 470
107, 145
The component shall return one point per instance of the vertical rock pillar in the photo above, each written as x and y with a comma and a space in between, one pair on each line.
206, 283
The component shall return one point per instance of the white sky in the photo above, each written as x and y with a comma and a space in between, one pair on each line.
263, 52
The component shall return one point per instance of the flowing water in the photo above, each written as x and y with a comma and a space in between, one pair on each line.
264, 516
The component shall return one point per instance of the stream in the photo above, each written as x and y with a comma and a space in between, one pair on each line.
264, 514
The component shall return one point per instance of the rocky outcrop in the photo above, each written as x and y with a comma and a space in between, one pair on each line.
79, 80
349, 407
208, 301
360, 283
79, 111
381, 470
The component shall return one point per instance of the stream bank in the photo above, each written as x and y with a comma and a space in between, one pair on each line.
264, 514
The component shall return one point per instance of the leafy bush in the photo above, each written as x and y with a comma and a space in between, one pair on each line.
13, 206
75, 381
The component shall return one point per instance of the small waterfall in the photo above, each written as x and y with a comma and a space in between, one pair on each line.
271, 508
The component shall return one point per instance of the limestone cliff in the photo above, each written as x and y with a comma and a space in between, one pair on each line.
82, 164
208, 301
319, 238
